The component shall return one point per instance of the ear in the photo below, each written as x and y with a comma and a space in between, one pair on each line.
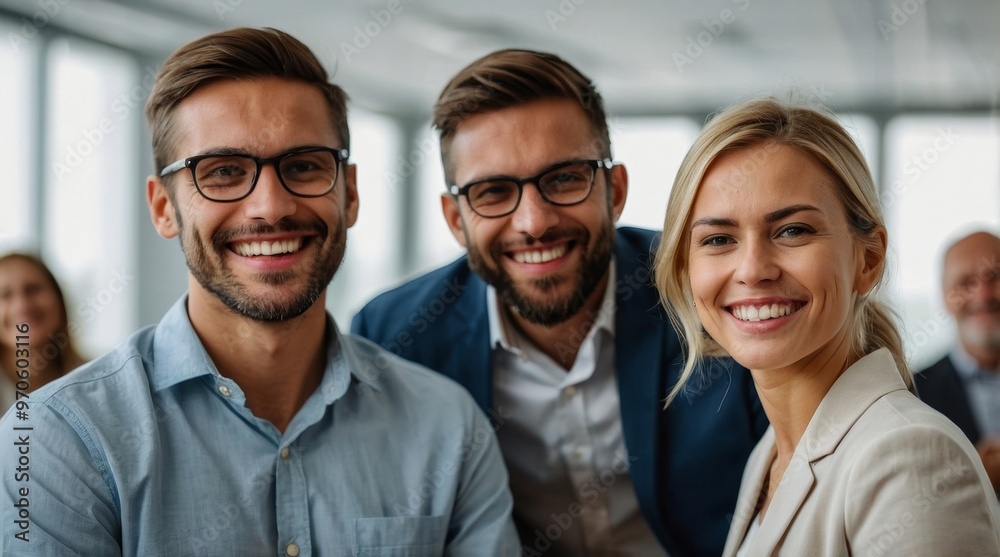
351, 203
453, 218
870, 254
619, 189
161, 208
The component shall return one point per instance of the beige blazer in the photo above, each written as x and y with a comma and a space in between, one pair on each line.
877, 473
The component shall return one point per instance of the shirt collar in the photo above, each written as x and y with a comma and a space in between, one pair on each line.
504, 335
967, 366
178, 355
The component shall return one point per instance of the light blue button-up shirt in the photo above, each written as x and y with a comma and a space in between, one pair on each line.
149, 451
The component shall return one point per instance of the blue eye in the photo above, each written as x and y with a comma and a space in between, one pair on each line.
715, 241
794, 231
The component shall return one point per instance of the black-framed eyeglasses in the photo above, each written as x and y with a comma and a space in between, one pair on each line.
564, 183
227, 177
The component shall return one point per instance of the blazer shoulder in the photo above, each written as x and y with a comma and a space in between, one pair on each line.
447, 284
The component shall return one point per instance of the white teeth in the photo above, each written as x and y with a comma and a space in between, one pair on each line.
248, 249
761, 313
542, 256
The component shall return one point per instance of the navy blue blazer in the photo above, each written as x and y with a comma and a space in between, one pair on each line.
941, 388
688, 459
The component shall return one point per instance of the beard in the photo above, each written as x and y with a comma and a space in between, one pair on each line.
207, 265
550, 309
982, 337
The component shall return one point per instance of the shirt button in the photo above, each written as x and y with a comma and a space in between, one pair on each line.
292, 550
577, 454
568, 392
226, 391
284, 452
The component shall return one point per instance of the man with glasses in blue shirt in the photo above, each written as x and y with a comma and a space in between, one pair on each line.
245, 423
552, 323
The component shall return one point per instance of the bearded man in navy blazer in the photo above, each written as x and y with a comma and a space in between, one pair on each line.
551, 321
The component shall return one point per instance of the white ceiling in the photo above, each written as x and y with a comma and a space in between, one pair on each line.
883, 55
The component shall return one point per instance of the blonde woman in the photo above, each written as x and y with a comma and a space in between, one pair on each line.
773, 244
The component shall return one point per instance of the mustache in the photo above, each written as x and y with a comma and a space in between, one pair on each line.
285, 225
992, 304
549, 236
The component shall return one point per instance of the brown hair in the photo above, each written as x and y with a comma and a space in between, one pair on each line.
513, 77
66, 357
761, 122
237, 54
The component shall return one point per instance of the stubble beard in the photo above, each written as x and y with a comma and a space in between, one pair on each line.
215, 277
551, 310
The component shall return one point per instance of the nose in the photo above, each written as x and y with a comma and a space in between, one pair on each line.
533, 216
269, 200
755, 262
985, 289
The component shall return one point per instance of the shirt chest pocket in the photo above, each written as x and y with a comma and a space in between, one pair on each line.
400, 536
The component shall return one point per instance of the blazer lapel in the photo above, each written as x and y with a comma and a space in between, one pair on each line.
869, 379
753, 480
469, 330
795, 485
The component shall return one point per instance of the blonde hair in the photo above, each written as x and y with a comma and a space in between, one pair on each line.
763, 122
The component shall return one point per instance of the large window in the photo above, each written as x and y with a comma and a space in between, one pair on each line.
16, 142
651, 150
71, 185
91, 186
942, 180
373, 247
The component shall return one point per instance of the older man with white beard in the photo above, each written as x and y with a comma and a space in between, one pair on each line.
965, 384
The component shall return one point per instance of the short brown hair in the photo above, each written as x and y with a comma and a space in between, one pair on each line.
237, 54
514, 77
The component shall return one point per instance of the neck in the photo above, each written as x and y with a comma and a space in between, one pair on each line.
562, 341
790, 396
277, 365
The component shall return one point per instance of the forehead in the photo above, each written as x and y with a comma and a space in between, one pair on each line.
521, 140
766, 176
980, 251
18, 271
262, 116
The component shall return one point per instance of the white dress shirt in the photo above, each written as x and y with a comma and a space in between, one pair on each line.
562, 440
982, 388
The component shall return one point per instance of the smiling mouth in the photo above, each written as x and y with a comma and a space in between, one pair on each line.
765, 311
278, 247
541, 255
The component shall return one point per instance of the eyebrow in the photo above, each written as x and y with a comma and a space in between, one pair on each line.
226, 151
770, 217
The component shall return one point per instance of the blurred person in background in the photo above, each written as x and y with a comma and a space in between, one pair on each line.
965, 384
29, 294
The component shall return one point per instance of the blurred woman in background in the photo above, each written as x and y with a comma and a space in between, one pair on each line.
29, 294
